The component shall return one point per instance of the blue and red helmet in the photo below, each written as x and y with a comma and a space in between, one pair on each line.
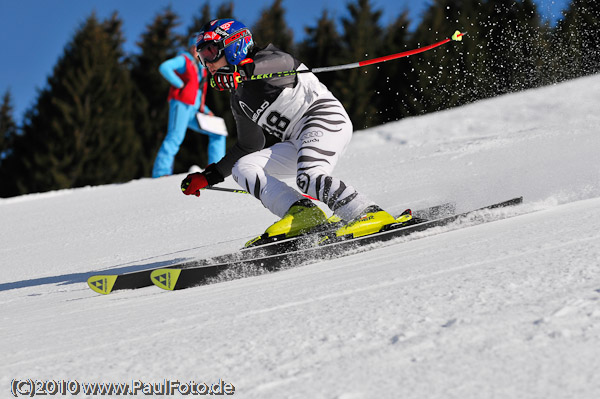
224, 37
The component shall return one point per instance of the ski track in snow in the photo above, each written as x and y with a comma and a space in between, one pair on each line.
504, 309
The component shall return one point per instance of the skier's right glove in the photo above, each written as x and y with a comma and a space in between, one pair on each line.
194, 182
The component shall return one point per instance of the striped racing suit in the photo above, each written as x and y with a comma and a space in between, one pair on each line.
314, 130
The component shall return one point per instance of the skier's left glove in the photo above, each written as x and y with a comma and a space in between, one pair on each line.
194, 182
226, 78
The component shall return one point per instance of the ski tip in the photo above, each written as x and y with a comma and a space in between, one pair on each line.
165, 278
457, 36
102, 284
405, 216
252, 242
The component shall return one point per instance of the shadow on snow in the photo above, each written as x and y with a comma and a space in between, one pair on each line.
73, 278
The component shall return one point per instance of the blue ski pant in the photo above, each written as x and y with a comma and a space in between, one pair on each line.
181, 117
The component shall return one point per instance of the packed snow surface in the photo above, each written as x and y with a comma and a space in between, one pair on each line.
504, 309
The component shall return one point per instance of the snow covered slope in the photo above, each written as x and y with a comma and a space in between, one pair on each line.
508, 309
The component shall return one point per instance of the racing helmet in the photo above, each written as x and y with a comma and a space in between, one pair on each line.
224, 37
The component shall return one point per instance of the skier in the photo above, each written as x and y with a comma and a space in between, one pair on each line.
185, 98
311, 123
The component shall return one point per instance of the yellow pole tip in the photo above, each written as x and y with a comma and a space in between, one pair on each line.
457, 36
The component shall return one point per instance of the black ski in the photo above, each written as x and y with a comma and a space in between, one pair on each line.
107, 283
175, 278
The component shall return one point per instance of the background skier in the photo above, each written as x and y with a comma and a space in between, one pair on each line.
185, 75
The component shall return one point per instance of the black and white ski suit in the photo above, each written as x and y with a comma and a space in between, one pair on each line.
314, 130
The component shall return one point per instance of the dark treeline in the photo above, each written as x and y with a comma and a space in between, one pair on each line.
103, 113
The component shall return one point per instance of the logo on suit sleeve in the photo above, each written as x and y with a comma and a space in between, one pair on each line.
250, 113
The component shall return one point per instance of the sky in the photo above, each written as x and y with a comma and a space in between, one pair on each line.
34, 32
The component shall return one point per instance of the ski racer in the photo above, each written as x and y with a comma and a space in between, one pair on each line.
311, 123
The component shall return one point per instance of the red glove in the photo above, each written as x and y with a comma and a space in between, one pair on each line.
226, 78
192, 184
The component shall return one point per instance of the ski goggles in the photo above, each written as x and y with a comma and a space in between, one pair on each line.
210, 52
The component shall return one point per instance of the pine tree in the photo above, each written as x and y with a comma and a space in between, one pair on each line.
225, 10
8, 126
395, 82
512, 34
577, 39
157, 44
81, 130
362, 40
272, 28
9, 174
547, 69
322, 47
502, 52
453, 74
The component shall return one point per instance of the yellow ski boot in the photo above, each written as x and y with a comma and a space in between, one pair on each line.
372, 220
302, 217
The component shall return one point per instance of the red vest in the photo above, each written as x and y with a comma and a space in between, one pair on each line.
187, 94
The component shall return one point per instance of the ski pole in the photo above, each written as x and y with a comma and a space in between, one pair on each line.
233, 190
227, 190
457, 36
